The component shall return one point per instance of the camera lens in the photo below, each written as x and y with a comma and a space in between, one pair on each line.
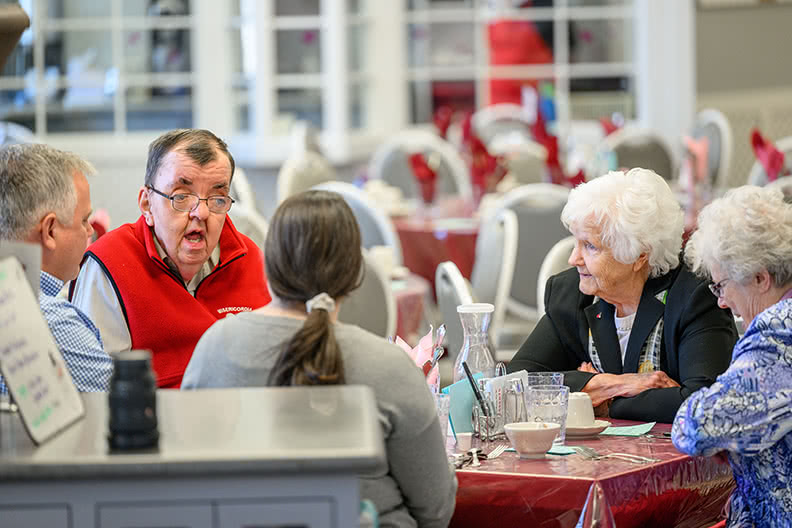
133, 402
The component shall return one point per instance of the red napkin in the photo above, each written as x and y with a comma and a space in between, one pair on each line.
770, 157
442, 119
425, 176
550, 142
486, 170
608, 125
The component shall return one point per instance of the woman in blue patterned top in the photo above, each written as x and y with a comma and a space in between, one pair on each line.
744, 243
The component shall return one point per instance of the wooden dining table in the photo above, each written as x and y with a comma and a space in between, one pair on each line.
562, 491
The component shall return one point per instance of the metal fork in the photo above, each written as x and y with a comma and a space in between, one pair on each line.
497, 451
591, 454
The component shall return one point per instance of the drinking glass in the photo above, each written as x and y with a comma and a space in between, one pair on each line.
443, 405
548, 403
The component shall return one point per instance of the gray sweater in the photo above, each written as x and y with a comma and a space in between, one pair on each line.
415, 486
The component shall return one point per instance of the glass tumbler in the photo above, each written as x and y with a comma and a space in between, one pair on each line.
548, 403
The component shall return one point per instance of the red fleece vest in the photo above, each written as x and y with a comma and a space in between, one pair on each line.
161, 314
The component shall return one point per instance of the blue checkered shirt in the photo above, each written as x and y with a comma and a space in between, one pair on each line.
77, 338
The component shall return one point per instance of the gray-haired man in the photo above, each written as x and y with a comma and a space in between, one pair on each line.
45, 200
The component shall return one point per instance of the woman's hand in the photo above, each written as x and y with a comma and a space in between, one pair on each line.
587, 367
603, 387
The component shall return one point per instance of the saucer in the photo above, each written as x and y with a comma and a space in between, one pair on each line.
587, 430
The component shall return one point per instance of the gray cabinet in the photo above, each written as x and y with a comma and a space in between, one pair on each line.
40, 516
227, 458
152, 515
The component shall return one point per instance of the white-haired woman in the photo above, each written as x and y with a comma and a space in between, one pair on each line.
744, 243
629, 324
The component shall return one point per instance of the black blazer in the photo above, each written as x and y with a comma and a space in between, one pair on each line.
696, 347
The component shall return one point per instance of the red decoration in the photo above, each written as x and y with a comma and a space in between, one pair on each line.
768, 155
608, 126
424, 176
442, 119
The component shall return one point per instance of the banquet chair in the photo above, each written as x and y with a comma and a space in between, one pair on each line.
714, 125
452, 290
390, 163
556, 261
503, 119
525, 158
250, 223
241, 190
757, 175
376, 229
301, 171
493, 269
634, 147
538, 208
372, 306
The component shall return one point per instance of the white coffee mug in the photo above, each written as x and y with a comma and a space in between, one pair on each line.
580, 411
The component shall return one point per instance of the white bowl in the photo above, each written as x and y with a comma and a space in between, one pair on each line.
531, 439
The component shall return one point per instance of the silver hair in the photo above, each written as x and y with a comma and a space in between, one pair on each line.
36, 179
636, 212
746, 231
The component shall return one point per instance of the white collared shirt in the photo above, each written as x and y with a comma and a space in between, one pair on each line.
99, 301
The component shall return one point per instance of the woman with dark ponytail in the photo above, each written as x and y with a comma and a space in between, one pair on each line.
313, 260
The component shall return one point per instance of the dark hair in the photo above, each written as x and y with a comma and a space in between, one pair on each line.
200, 145
312, 247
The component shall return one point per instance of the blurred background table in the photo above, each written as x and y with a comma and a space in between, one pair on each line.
426, 242
678, 491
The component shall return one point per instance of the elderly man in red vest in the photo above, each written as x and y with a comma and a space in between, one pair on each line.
159, 283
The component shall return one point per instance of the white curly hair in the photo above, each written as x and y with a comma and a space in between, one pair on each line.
746, 231
636, 212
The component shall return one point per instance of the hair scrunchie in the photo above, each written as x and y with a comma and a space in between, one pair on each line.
321, 302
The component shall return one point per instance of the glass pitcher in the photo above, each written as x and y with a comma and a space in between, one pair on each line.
477, 349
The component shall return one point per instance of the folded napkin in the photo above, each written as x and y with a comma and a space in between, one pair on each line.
608, 126
628, 430
442, 119
425, 176
422, 353
771, 159
486, 170
553, 163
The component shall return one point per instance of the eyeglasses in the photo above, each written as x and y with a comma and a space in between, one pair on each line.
717, 287
186, 202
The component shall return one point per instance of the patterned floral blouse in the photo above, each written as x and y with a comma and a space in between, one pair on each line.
748, 413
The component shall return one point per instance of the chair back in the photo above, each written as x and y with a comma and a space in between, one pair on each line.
525, 158
493, 269
502, 119
635, 147
372, 307
538, 208
249, 223
301, 171
714, 125
556, 261
376, 229
451, 290
390, 163
758, 176
241, 190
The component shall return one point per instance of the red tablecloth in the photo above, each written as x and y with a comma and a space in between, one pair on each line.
678, 491
410, 295
426, 243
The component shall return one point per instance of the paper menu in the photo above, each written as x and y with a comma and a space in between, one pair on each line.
31, 364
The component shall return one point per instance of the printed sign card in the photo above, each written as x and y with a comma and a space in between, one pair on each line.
31, 364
